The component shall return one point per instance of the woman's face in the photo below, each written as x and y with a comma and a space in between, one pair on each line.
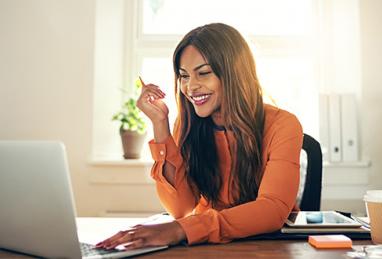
199, 84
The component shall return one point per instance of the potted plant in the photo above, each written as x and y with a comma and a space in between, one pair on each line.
133, 126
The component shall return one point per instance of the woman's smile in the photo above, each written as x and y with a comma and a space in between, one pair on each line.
200, 99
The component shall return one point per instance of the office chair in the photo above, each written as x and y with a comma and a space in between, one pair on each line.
309, 197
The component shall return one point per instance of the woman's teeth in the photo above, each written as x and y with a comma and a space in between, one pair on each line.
200, 97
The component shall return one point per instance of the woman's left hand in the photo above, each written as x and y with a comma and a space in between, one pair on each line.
146, 235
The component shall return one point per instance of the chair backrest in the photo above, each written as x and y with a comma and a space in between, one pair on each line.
310, 199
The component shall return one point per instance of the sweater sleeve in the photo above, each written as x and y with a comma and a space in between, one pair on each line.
276, 196
178, 200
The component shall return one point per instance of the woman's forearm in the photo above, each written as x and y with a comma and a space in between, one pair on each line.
161, 133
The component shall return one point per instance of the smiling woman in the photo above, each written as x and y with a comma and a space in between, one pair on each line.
231, 160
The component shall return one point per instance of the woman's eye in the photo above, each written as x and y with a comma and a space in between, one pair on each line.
204, 73
184, 76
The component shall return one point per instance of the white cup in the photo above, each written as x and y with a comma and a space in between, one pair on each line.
373, 202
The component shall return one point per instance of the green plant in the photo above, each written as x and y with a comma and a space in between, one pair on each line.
130, 116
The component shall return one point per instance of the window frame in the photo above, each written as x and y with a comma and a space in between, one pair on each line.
326, 42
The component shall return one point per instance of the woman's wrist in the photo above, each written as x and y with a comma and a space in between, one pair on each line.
180, 234
161, 130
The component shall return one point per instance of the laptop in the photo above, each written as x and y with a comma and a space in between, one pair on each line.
37, 214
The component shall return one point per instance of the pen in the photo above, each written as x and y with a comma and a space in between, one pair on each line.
140, 79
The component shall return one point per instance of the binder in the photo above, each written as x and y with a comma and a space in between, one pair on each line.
324, 125
335, 149
349, 128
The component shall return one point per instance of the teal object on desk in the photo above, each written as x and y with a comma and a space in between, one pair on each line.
314, 217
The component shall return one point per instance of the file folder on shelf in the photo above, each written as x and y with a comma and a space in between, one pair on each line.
335, 149
349, 128
324, 125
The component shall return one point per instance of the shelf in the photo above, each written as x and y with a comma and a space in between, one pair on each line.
357, 164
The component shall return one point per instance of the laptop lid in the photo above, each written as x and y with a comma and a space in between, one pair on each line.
37, 214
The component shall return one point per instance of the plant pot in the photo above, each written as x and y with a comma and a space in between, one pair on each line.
132, 143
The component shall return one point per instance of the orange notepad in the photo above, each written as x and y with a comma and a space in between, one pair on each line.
330, 241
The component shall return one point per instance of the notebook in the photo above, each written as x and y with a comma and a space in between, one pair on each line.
37, 213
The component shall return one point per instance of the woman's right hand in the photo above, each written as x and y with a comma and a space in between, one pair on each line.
150, 103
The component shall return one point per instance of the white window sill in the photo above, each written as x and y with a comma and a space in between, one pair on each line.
144, 162
113, 161
114, 170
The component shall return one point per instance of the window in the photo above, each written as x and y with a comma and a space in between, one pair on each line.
281, 39
258, 17
301, 47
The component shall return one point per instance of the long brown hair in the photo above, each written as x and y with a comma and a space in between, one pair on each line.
231, 60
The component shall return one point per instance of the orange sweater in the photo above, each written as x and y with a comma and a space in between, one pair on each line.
282, 143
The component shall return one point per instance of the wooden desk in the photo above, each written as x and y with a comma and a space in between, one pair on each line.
91, 228
242, 250
255, 249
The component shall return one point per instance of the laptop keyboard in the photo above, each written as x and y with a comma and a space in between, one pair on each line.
88, 250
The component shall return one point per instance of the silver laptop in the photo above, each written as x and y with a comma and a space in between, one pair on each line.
37, 214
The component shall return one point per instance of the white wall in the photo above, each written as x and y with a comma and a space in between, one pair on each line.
47, 80
46, 92
371, 47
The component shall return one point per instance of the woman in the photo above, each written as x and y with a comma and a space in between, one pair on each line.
231, 169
